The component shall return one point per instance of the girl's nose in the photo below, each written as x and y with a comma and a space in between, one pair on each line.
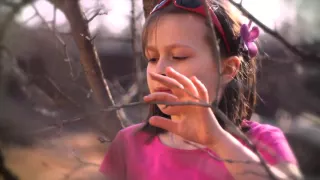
161, 66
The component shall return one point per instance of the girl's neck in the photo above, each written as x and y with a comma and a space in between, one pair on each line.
175, 141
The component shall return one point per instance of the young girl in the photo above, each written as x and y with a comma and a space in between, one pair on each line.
190, 142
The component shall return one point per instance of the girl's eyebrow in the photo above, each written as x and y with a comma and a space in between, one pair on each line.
170, 46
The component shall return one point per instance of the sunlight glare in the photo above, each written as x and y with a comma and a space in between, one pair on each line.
118, 18
271, 13
46, 11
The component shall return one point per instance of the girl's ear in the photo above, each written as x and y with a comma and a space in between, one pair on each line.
230, 68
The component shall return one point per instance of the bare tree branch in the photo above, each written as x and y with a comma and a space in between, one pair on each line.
82, 163
220, 159
241, 2
30, 18
302, 54
96, 14
232, 127
88, 55
64, 45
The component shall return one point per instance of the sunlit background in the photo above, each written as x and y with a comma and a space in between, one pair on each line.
60, 151
272, 13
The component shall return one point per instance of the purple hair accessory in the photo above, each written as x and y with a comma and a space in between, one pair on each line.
248, 37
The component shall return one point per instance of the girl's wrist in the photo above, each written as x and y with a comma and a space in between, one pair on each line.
220, 137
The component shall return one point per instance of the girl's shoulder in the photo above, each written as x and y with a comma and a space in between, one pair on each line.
271, 142
257, 129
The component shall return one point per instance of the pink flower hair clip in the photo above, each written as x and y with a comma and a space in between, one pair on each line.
248, 37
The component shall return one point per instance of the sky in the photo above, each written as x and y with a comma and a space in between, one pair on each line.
270, 12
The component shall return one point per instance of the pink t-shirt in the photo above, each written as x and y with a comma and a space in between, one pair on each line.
129, 157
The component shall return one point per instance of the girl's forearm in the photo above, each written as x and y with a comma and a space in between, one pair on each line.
230, 148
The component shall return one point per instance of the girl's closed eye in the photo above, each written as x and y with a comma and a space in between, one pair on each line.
180, 57
182, 53
152, 60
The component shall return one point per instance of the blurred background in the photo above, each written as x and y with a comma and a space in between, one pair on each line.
55, 53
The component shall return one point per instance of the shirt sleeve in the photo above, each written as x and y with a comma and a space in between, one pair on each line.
113, 164
273, 145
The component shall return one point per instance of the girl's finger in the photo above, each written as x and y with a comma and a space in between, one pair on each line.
182, 79
164, 123
202, 90
166, 81
160, 96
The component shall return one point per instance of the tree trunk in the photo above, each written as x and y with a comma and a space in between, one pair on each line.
88, 55
89, 58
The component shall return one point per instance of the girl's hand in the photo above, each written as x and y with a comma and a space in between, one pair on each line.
195, 123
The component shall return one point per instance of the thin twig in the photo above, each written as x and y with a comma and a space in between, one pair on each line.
79, 159
88, 56
30, 18
114, 108
120, 113
102, 139
302, 54
188, 103
57, 125
64, 45
253, 147
221, 159
57, 88
241, 2
237, 132
96, 14
82, 164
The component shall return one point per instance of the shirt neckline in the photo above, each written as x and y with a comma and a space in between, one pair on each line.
172, 149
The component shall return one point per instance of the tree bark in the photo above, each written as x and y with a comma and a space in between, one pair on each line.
88, 55
88, 58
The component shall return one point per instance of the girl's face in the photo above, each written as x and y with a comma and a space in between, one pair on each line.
178, 41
